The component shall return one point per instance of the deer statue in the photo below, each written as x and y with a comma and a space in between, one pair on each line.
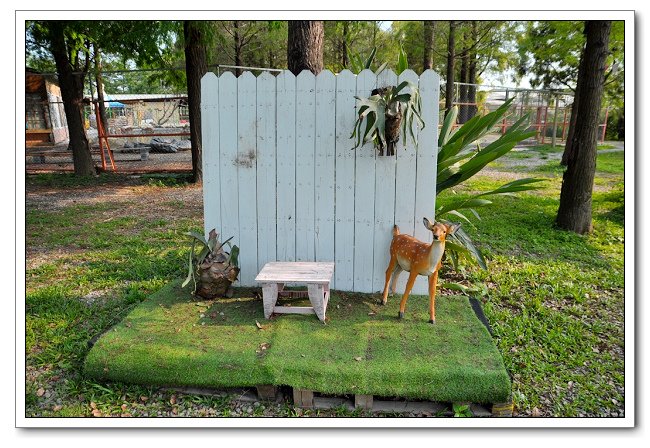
418, 258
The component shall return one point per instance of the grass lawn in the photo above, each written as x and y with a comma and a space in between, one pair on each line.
96, 250
172, 340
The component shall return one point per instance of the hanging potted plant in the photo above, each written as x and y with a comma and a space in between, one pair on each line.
389, 113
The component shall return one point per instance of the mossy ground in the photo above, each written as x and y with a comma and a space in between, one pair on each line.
172, 340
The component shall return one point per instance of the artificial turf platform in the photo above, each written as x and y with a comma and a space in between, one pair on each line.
170, 339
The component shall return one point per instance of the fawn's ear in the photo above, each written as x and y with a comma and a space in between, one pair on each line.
451, 229
427, 224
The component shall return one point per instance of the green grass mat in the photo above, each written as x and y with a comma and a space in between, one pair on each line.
172, 340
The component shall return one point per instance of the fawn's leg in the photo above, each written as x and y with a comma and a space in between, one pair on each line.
389, 273
409, 285
393, 285
433, 280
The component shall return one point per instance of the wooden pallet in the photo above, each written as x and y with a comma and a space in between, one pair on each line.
309, 399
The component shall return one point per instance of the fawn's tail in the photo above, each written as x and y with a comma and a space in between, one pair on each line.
395, 230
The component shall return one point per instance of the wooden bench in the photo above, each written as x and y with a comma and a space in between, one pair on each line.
316, 275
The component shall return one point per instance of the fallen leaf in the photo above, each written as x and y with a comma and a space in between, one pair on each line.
57, 408
358, 358
40, 392
93, 405
143, 398
172, 400
97, 413
302, 356
372, 313
124, 407
202, 315
258, 325
536, 412
126, 414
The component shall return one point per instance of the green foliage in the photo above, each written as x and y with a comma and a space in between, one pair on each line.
389, 103
462, 410
375, 352
459, 160
205, 248
550, 51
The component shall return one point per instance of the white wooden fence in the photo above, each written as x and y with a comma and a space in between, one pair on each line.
280, 175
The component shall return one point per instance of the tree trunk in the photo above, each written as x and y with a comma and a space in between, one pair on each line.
577, 183
464, 78
344, 45
72, 88
451, 45
471, 77
100, 89
305, 46
568, 145
238, 46
429, 27
195, 68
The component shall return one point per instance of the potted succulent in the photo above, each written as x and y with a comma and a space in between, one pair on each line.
212, 269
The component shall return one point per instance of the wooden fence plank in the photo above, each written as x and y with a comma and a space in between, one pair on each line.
364, 197
305, 147
280, 175
427, 156
228, 167
344, 220
324, 171
285, 164
266, 182
247, 176
384, 203
405, 186
210, 154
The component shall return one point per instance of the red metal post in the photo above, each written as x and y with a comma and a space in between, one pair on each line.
545, 117
602, 139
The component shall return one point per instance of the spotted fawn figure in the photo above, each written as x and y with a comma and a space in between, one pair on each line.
418, 258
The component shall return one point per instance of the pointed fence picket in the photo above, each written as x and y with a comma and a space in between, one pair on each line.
280, 175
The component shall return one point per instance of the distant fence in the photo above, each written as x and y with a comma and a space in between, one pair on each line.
281, 177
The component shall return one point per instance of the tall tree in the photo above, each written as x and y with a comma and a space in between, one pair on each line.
451, 56
305, 46
195, 68
68, 43
574, 212
463, 77
99, 82
429, 28
67, 52
472, 75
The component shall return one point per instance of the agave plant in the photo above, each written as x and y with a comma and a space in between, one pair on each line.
460, 158
211, 268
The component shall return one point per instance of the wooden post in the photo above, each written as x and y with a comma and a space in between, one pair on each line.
554, 137
303, 398
502, 409
316, 297
564, 124
363, 401
266, 391
545, 118
269, 297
